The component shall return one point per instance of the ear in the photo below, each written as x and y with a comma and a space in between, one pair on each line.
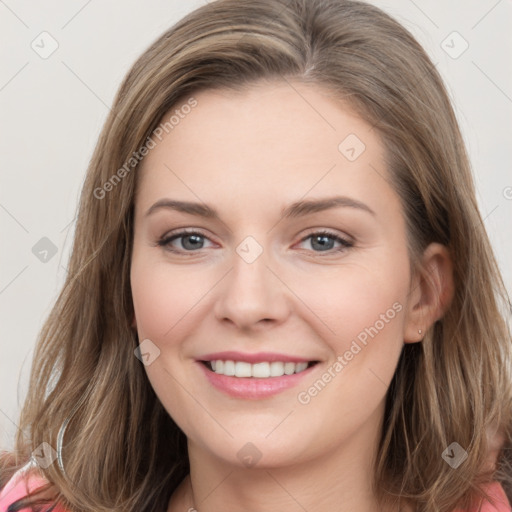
430, 294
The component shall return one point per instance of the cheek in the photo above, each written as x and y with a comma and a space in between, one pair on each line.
164, 300
354, 298
164, 296
152, 304
373, 340
364, 310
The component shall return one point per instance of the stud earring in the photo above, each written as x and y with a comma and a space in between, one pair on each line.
419, 331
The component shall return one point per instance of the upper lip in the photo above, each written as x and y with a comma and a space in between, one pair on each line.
258, 357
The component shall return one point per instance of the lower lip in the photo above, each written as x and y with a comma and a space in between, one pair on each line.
253, 388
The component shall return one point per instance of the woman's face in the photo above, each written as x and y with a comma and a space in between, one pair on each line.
296, 253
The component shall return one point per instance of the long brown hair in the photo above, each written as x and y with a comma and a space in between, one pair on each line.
121, 450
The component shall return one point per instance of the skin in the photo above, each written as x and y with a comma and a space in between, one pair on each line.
249, 155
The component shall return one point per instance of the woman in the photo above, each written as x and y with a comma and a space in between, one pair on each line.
281, 294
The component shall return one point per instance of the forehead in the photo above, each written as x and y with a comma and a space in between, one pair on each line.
277, 140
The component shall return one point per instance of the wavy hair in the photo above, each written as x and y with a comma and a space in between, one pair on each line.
120, 449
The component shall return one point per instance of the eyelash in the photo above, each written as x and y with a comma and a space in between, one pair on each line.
166, 240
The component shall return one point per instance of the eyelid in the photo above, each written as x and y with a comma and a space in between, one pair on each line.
346, 241
170, 236
327, 231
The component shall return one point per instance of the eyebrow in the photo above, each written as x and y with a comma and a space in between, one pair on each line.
296, 209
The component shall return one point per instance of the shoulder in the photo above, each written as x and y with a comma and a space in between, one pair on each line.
25, 480
499, 501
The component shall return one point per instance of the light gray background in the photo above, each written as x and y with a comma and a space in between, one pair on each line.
52, 110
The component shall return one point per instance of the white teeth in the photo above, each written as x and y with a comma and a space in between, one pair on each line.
259, 370
242, 369
289, 368
229, 368
301, 367
276, 369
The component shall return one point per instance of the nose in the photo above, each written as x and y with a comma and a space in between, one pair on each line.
252, 296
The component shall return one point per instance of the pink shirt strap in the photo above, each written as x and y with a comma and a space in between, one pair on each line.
497, 493
21, 483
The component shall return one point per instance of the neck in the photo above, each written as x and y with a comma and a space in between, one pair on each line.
339, 479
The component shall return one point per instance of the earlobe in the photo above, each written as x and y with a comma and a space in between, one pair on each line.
432, 293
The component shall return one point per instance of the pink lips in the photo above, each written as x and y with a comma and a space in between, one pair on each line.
252, 388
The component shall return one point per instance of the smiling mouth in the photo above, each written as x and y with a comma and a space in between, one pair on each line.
263, 370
